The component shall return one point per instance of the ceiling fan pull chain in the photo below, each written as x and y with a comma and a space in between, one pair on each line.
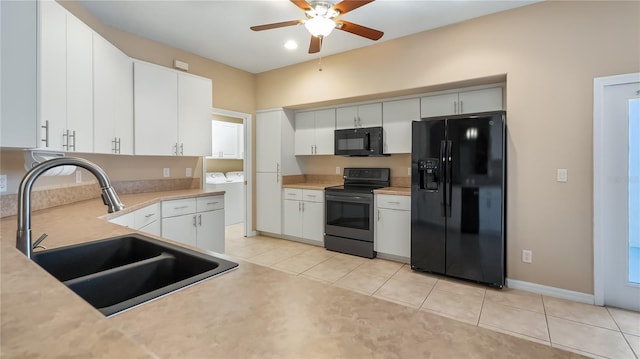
320, 59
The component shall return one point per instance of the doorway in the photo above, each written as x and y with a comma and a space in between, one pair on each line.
246, 165
617, 191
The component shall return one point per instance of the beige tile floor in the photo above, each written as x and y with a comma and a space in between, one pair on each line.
598, 332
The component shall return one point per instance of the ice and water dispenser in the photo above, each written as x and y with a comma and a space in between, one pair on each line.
428, 171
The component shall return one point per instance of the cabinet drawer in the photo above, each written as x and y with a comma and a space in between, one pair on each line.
146, 215
312, 195
210, 203
292, 194
394, 202
178, 207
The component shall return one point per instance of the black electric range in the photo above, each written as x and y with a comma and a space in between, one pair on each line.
349, 226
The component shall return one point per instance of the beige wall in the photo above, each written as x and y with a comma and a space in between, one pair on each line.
550, 53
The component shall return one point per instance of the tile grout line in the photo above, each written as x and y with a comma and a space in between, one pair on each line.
546, 320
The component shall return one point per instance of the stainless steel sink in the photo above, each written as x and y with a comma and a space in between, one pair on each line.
119, 273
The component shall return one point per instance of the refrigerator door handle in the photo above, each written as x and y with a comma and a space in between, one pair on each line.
449, 176
443, 179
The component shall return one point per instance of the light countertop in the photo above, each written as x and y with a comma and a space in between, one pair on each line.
250, 312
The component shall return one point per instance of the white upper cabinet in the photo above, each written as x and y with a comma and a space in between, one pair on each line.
275, 143
314, 132
482, 100
367, 115
172, 112
155, 109
112, 98
397, 117
194, 115
227, 140
66, 86
18, 43
79, 85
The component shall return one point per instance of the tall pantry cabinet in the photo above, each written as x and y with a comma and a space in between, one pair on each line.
274, 158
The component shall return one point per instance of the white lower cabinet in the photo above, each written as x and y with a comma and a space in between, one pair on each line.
146, 219
198, 222
393, 225
304, 214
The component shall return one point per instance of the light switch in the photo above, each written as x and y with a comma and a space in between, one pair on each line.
562, 175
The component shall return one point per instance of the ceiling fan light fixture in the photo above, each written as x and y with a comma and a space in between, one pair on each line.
320, 26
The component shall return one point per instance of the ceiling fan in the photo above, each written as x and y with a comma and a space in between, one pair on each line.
322, 17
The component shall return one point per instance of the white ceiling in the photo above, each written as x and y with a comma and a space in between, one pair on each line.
219, 29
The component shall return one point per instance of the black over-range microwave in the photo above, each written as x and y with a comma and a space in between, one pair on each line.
359, 142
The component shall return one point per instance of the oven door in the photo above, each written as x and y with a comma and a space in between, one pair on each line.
349, 215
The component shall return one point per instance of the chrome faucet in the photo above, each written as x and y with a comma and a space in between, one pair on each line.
109, 196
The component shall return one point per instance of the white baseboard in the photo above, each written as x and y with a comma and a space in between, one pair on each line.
551, 291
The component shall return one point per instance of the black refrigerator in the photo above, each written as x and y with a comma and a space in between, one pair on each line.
458, 196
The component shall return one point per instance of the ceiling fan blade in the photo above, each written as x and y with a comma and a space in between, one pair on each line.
314, 46
359, 30
302, 4
347, 5
275, 25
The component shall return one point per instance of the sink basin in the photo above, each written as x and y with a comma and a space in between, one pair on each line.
119, 273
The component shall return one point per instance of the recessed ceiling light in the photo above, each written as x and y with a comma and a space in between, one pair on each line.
290, 45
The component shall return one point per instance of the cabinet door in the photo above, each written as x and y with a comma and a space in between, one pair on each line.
154, 228
268, 203
346, 117
304, 136
325, 125
79, 85
313, 221
480, 100
181, 229
211, 230
155, 110
18, 118
194, 115
370, 115
393, 232
397, 117
113, 99
439, 105
268, 134
225, 139
53, 72
292, 218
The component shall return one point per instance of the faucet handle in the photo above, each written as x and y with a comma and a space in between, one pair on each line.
36, 244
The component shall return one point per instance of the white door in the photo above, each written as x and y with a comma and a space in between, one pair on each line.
313, 221
617, 191
194, 115
268, 203
325, 130
305, 133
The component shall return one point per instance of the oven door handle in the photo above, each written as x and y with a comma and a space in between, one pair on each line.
356, 199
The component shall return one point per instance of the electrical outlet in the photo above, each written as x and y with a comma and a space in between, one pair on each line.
78, 176
3, 183
188, 172
337, 170
562, 175
166, 172
527, 256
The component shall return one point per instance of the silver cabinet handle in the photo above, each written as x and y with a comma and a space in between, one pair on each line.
149, 215
175, 149
299, 206
461, 109
194, 221
46, 133
212, 203
65, 140
311, 195
182, 149
114, 145
291, 194
73, 134
181, 207
200, 220
119, 147
302, 206
393, 202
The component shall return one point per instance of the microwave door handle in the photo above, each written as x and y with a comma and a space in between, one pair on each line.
368, 141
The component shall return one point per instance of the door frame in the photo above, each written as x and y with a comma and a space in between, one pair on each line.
599, 238
247, 120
